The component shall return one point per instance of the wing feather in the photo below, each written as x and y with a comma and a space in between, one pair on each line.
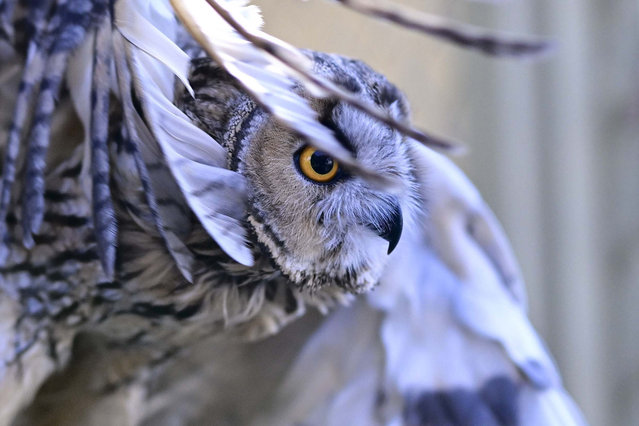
156, 183
267, 67
457, 331
104, 220
38, 144
59, 41
222, 30
218, 199
34, 69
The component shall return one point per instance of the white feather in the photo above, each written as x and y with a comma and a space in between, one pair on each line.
173, 225
133, 25
215, 194
552, 407
453, 320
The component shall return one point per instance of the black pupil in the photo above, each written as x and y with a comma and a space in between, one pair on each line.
321, 163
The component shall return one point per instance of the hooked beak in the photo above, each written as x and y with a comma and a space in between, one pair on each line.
390, 228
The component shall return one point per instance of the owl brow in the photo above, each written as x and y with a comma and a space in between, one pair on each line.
327, 121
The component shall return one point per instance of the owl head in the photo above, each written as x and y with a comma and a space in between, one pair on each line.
319, 224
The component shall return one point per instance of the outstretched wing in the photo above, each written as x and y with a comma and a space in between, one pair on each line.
443, 340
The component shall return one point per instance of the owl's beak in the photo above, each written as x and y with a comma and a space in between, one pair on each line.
390, 228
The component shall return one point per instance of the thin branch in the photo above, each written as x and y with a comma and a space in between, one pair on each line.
269, 81
282, 54
467, 36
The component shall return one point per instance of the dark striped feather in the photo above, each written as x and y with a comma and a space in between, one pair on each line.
33, 191
494, 404
32, 32
68, 27
104, 220
24, 22
34, 69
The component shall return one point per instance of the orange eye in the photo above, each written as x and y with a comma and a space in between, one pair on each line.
317, 165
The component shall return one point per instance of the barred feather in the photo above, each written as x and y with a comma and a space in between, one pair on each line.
275, 63
29, 22
34, 69
34, 34
104, 220
198, 163
33, 192
67, 29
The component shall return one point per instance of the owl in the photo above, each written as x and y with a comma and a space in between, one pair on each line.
208, 253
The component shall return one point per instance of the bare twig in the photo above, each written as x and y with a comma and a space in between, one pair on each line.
283, 55
269, 81
487, 42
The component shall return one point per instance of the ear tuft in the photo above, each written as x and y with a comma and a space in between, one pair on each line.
389, 96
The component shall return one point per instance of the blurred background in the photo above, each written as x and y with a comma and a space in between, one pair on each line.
554, 148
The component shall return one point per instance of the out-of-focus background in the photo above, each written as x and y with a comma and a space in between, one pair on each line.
554, 148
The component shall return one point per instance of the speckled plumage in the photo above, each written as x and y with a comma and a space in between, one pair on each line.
147, 263
63, 288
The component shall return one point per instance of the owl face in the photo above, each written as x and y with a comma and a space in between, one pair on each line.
321, 225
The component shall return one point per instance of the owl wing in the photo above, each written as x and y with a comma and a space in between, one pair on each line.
457, 341
444, 339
